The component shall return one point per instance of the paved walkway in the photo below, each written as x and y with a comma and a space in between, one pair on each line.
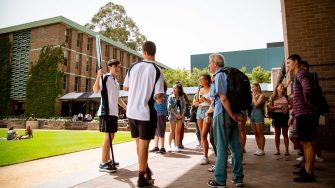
170, 170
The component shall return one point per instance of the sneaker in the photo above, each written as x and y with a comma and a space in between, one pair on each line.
148, 177
260, 153
177, 149
213, 183
300, 172
319, 159
257, 152
301, 158
107, 168
181, 146
237, 183
111, 163
305, 177
156, 149
211, 169
169, 149
230, 161
162, 150
204, 161
198, 146
143, 183
299, 165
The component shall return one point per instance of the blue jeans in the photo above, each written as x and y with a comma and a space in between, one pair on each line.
226, 134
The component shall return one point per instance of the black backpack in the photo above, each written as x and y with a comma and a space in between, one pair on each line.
238, 89
318, 101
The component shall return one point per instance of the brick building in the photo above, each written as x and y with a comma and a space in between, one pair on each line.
309, 30
80, 64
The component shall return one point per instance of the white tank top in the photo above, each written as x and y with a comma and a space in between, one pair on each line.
204, 104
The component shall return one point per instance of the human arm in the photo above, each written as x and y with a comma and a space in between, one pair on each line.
259, 101
96, 85
122, 103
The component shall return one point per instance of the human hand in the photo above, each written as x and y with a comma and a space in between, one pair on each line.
99, 73
290, 121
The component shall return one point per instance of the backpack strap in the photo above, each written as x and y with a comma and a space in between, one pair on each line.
104, 96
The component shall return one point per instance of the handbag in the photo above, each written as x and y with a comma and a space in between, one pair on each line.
193, 114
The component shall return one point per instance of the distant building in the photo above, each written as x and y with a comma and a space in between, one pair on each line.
80, 65
268, 58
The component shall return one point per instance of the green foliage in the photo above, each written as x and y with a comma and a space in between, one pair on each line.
44, 83
113, 22
5, 74
50, 143
184, 76
260, 75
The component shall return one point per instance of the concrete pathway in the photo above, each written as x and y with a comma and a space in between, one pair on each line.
80, 169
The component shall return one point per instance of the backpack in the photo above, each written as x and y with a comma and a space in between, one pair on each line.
238, 89
318, 101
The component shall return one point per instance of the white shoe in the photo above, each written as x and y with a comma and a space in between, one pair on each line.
230, 161
300, 158
169, 149
257, 152
177, 149
260, 153
204, 161
319, 159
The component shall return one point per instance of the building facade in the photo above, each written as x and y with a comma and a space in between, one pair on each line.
309, 30
80, 63
267, 58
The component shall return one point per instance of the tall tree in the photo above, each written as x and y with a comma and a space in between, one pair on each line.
113, 22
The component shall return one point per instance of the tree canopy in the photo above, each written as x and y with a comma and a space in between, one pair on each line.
113, 22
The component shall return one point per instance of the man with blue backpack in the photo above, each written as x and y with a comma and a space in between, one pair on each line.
226, 132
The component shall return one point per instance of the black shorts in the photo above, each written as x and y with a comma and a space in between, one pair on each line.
143, 129
108, 124
306, 126
280, 119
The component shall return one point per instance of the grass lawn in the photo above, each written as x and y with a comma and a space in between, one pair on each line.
48, 143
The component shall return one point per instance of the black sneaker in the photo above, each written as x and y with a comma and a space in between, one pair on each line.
156, 149
213, 183
299, 165
162, 150
111, 163
237, 183
107, 168
300, 172
143, 183
305, 177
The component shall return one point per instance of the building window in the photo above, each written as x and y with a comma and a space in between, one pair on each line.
87, 87
76, 83
114, 53
107, 51
89, 43
64, 81
67, 35
66, 57
78, 39
121, 56
77, 61
87, 63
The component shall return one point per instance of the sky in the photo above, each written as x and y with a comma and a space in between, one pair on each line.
179, 28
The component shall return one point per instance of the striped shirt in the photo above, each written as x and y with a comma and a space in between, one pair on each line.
302, 90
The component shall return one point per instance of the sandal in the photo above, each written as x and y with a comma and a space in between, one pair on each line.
287, 154
277, 153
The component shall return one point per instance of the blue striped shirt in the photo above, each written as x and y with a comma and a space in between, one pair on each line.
302, 93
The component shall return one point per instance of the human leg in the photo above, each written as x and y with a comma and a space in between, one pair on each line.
237, 154
277, 139
286, 141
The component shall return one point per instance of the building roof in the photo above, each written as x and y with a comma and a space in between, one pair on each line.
66, 21
267, 58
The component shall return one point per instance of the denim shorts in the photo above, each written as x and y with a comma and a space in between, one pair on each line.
201, 112
257, 116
